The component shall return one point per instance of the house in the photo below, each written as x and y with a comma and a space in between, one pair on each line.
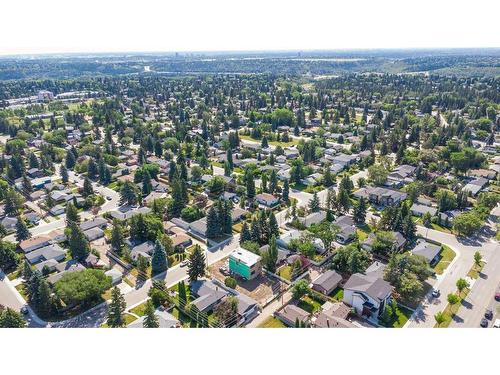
484, 173
165, 320
284, 239
126, 212
181, 241
400, 176
49, 265
198, 228
381, 196
344, 160
427, 250
237, 213
34, 243
334, 315
245, 264
93, 234
290, 314
57, 210
313, 218
476, 185
347, 228
312, 179
326, 282
398, 244
145, 249
53, 251
97, 222
32, 217
418, 209
368, 294
9, 223
64, 268
34, 173
116, 276
208, 294
267, 199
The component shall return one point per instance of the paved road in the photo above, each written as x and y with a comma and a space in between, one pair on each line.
481, 296
446, 283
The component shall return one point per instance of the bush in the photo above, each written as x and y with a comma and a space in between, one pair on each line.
230, 282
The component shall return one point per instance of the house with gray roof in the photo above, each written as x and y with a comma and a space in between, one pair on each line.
53, 251
327, 282
165, 320
427, 250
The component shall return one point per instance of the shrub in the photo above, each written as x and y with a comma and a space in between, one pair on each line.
230, 282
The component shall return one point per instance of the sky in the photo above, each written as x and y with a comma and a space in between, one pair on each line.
71, 26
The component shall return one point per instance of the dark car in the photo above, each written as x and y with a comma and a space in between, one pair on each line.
488, 314
497, 296
484, 323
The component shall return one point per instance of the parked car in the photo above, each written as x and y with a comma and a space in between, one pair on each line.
108, 198
484, 323
496, 324
184, 263
497, 296
488, 314
24, 310
436, 293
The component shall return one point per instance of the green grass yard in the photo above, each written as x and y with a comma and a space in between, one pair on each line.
399, 318
272, 322
446, 257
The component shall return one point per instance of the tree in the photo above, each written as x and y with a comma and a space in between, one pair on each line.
427, 220
213, 224
286, 191
116, 309
9, 258
82, 287
147, 186
22, 231
270, 257
70, 160
226, 311
343, 201
314, 205
181, 289
328, 179
245, 233
360, 211
150, 318
274, 229
461, 285
159, 261
92, 170
13, 202
452, 299
78, 244
351, 259
64, 174
72, 215
88, 190
196, 264
478, 258
11, 319
300, 289
467, 224
377, 174
129, 193
117, 237
250, 183
440, 318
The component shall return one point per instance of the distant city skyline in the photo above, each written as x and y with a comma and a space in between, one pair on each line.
34, 27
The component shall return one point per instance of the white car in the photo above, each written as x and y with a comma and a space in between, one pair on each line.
496, 324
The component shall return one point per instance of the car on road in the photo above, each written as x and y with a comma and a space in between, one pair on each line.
436, 293
484, 323
497, 296
488, 314
108, 198
184, 263
24, 310
496, 324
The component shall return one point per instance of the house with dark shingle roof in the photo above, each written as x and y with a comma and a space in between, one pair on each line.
326, 282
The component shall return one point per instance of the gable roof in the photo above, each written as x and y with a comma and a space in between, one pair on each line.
375, 287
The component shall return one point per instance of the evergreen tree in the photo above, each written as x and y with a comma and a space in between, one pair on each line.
117, 237
159, 261
92, 170
64, 174
70, 160
274, 229
229, 157
72, 215
150, 318
213, 224
343, 200
28, 188
196, 265
273, 182
116, 309
147, 186
314, 205
78, 245
250, 183
181, 289
286, 191
245, 233
328, 180
360, 211
129, 193
271, 256
88, 190
227, 221
179, 196
22, 231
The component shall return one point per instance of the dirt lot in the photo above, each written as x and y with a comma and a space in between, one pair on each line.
261, 289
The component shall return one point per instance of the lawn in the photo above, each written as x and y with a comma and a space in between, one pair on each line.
475, 270
399, 318
450, 310
139, 309
310, 304
272, 322
363, 231
285, 272
185, 320
337, 294
128, 319
22, 290
446, 257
